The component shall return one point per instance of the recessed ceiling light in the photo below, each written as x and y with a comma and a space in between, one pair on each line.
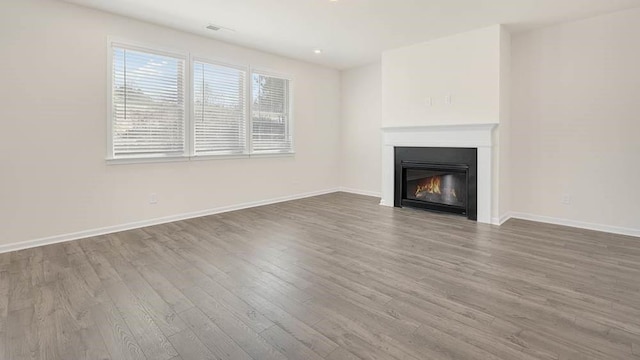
317, 51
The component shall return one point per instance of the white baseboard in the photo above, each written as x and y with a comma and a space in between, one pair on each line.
501, 220
144, 223
576, 224
360, 192
383, 203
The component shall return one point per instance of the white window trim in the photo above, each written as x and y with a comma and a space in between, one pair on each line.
247, 115
152, 49
146, 160
189, 114
268, 72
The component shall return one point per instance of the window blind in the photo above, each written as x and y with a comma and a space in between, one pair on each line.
219, 109
148, 104
270, 125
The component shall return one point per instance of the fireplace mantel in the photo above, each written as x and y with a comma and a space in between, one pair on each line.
478, 136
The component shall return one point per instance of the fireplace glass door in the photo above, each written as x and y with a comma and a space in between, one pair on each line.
438, 179
442, 187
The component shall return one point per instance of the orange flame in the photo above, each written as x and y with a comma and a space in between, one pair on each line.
432, 186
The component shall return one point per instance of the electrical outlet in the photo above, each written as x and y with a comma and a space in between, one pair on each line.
448, 99
153, 198
566, 199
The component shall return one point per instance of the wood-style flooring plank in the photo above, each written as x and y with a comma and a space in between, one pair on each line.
136, 315
288, 345
21, 339
299, 330
342, 354
190, 347
249, 340
218, 342
116, 335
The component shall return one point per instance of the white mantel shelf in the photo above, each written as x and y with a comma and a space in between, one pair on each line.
440, 127
472, 135
478, 136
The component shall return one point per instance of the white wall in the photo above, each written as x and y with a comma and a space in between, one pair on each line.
465, 66
575, 127
502, 197
54, 179
361, 120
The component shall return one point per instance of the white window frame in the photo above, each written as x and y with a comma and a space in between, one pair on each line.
247, 115
151, 49
189, 109
289, 78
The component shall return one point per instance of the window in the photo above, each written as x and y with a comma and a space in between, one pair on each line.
227, 109
270, 108
219, 108
147, 104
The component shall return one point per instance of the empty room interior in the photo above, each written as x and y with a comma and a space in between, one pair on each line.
319, 179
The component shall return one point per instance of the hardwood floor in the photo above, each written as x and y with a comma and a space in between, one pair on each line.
331, 277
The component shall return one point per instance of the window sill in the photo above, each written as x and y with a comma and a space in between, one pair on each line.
273, 154
165, 159
146, 160
219, 157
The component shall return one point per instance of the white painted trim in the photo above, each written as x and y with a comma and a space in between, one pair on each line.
291, 118
220, 63
145, 46
146, 160
192, 108
577, 224
144, 223
187, 79
225, 156
502, 219
462, 135
273, 154
479, 136
360, 192
453, 127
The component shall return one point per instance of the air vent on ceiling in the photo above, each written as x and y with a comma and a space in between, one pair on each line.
213, 27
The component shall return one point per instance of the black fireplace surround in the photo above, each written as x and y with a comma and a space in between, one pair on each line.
437, 179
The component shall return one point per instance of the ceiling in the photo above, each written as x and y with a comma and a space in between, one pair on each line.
349, 32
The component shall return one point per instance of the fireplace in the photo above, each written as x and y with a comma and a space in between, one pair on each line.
437, 179
470, 144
